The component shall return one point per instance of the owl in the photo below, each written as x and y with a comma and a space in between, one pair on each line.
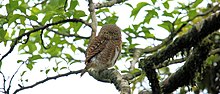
104, 49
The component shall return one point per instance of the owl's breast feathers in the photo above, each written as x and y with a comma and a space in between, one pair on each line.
104, 49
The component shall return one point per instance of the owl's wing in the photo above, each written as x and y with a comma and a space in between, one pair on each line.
95, 47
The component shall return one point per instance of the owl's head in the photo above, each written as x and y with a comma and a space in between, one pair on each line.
110, 31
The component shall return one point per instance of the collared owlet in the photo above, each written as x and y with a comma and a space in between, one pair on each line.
104, 49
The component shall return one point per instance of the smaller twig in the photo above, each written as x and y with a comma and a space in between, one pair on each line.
65, 4
129, 76
138, 36
168, 62
4, 80
47, 79
40, 3
67, 35
42, 41
136, 56
108, 4
9, 87
215, 51
28, 36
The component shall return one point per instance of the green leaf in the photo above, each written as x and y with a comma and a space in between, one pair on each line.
22, 74
35, 10
148, 18
54, 50
166, 25
153, 1
192, 13
2, 34
147, 32
21, 47
13, 18
102, 10
57, 18
69, 57
63, 68
166, 5
79, 13
111, 20
136, 10
46, 18
129, 39
196, 3
73, 48
55, 69
30, 65
165, 13
129, 5
47, 71
34, 57
18, 61
135, 71
13, 4
21, 31
124, 71
23, 6
73, 4
152, 12
22, 19
8, 8
32, 47
131, 46
54, 3
33, 17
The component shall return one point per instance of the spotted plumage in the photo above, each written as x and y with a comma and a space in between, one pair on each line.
104, 49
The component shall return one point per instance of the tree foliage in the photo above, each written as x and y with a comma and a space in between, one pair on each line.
60, 30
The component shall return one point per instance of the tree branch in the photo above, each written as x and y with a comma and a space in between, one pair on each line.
9, 87
112, 76
174, 33
108, 4
67, 35
187, 72
94, 20
47, 79
190, 39
4, 84
168, 62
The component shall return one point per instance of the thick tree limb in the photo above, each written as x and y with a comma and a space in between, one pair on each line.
190, 39
112, 76
47, 79
187, 72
